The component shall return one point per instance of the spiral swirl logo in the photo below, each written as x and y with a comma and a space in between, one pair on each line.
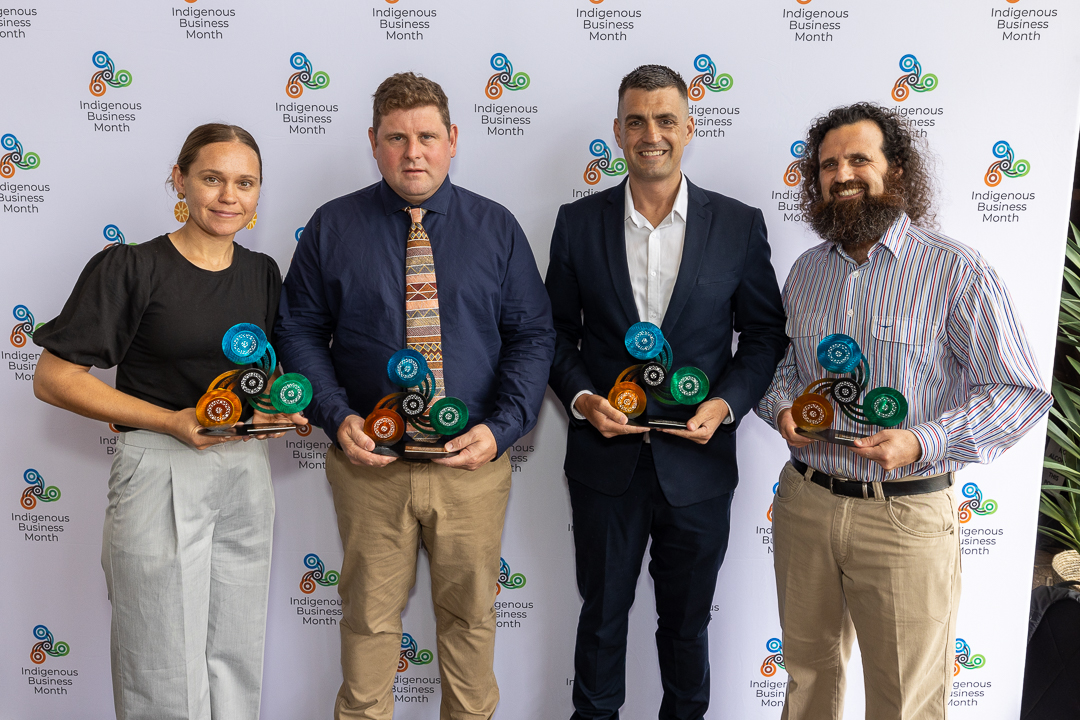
504, 77
304, 77
708, 79
24, 327
46, 647
37, 490
964, 658
603, 164
775, 658
768, 513
15, 157
792, 176
975, 505
316, 575
912, 79
411, 653
1006, 165
508, 580
114, 236
107, 76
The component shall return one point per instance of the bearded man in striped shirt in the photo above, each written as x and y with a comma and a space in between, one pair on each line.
866, 538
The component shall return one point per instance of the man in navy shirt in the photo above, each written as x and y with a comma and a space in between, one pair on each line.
474, 305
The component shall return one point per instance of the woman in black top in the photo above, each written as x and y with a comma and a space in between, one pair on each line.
186, 548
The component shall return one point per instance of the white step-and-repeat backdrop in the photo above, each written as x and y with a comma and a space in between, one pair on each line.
97, 98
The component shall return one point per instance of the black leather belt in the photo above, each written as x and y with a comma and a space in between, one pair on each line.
857, 489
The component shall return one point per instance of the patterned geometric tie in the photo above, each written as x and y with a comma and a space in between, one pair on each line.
422, 330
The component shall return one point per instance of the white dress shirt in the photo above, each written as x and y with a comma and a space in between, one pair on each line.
653, 256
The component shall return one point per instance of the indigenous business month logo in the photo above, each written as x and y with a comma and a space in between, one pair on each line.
1006, 165
975, 505
792, 176
304, 77
114, 237
508, 580
411, 653
708, 80
504, 77
46, 646
37, 490
775, 658
316, 575
965, 660
912, 79
14, 157
602, 164
107, 75
24, 327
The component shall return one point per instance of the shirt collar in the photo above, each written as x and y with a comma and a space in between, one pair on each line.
679, 208
437, 203
894, 239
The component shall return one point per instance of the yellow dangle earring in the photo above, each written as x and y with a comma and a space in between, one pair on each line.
254, 219
180, 210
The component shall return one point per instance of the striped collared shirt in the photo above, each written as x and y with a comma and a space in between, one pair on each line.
935, 322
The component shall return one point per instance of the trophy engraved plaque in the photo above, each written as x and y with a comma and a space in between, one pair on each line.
684, 388
812, 411
414, 405
220, 407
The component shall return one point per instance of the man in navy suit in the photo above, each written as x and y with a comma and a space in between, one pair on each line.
657, 249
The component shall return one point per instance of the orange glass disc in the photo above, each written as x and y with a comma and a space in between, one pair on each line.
627, 398
384, 426
218, 407
812, 411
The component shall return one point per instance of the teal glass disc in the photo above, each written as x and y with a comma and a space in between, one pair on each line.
407, 368
644, 340
290, 393
244, 343
448, 416
689, 386
839, 354
885, 406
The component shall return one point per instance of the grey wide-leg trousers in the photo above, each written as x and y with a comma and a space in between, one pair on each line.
186, 554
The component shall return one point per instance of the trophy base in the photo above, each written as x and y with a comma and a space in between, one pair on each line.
414, 450
830, 435
251, 429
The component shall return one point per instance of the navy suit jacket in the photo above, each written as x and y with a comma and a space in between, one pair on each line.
725, 283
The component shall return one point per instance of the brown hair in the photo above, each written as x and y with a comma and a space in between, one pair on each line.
900, 148
405, 91
210, 133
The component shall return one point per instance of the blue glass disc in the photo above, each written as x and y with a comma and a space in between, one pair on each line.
839, 354
407, 368
244, 343
644, 340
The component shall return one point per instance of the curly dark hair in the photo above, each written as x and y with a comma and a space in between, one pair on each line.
901, 150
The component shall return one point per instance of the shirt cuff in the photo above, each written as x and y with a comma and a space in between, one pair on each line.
573, 402
779, 407
933, 439
728, 420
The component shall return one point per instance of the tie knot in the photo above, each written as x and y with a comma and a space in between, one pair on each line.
417, 214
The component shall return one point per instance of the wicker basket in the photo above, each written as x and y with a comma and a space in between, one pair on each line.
1067, 565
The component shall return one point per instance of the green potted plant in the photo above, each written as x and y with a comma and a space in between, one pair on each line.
1062, 502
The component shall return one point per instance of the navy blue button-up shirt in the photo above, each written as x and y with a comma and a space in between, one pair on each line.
342, 311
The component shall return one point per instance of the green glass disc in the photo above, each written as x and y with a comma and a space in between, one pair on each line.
290, 393
689, 385
885, 406
448, 416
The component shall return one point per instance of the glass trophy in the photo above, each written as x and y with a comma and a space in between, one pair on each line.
812, 411
220, 407
684, 388
431, 420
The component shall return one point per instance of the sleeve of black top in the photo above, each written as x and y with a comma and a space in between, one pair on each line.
528, 345
103, 312
273, 296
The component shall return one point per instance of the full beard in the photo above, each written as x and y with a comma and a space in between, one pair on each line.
857, 224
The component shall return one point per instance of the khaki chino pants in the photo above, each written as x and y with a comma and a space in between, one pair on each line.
887, 569
383, 515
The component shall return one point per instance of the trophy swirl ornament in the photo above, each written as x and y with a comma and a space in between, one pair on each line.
219, 409
813, 412
414, 405
688, 386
